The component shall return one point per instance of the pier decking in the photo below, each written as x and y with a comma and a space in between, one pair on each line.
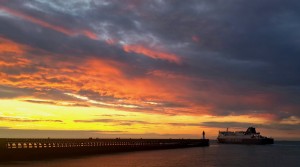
30, 149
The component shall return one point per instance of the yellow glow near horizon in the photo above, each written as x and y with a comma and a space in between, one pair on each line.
18, 114
21, 115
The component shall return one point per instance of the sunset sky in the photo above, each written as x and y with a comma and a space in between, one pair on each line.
149, 68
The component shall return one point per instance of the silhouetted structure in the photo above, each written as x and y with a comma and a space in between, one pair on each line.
243, 137
28, 149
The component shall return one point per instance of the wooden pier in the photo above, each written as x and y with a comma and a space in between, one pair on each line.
38, 149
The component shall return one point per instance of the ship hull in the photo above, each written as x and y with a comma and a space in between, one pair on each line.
246, 141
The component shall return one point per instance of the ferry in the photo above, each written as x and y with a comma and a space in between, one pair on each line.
243, 137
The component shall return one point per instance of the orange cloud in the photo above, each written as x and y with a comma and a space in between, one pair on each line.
10, 47
108, 78
11, 54
157, 91
98, 75
105, 77
42, 23
139, 49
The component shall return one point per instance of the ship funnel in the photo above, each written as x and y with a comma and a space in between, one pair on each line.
251, 130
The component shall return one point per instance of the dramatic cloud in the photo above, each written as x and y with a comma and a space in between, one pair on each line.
171, 58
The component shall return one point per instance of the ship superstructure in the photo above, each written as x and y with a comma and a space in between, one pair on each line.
243, 137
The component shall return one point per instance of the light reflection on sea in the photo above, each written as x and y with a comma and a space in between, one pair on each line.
276, 155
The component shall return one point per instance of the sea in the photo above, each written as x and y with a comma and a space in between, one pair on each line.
280, 154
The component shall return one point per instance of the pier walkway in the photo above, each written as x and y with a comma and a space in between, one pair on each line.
27, 149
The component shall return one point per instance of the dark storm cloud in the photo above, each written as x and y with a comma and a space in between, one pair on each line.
252, 46
246, 50
59, 43
253, 41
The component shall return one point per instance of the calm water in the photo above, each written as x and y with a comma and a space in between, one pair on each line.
280, 154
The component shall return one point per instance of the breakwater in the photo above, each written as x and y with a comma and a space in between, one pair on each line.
38, 149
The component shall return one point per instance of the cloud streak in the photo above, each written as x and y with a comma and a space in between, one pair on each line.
23, 120
132, 122
152, 53
116, 122
45, 24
